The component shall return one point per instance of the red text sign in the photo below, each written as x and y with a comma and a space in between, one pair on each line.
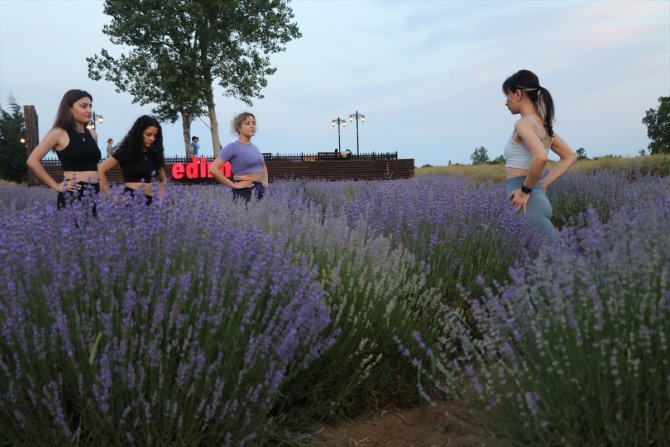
197, 169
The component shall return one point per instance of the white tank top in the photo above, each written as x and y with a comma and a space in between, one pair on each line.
517, 156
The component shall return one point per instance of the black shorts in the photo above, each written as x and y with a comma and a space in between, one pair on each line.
66, 198
247, 193
131, 192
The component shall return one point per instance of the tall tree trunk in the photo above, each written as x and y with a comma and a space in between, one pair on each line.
186, 120
213, 123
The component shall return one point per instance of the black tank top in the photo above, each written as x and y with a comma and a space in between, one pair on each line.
82, 154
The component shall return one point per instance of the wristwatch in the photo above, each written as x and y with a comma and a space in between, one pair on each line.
525, 189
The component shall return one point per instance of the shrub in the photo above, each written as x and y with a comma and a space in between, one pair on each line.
374, 292
148, 325
456, 228
574, 351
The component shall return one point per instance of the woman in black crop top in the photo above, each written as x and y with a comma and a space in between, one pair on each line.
76, 148
141, 156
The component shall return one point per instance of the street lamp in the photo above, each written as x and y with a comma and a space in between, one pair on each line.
357, 116
95, 117
338, 122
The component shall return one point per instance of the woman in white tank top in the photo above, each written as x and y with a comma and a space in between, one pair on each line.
526, 152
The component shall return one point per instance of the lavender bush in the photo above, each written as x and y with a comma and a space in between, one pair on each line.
574, 351
456, 228
148, 325
374, 293
201, 322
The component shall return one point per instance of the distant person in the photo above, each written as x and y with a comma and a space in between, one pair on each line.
346, 155
142, 159
76, 147
195, 146
527, 150
250, 175
110, 147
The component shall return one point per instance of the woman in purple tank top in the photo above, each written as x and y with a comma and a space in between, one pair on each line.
250, 175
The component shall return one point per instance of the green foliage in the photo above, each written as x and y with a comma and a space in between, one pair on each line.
12, 151
581, 154
658, 126
499, 160
186, 46
480, 156
150, 79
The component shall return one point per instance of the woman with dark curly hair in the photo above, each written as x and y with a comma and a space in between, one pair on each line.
141, 156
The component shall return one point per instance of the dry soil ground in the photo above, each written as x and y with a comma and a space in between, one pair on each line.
423, 426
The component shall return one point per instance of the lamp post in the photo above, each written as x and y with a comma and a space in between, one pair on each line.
357, 116
338, 122
95, 118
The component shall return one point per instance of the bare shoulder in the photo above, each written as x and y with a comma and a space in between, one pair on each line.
59, 136
524, 127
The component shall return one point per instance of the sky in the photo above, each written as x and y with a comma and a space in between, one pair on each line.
426, 74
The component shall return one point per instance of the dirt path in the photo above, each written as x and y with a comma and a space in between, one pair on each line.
424, 426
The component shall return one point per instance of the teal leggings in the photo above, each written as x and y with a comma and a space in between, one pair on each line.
538, 208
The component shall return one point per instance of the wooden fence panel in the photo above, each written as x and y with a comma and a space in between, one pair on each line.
294, 170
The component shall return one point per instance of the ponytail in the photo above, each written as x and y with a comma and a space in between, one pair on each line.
528, 82
545, 108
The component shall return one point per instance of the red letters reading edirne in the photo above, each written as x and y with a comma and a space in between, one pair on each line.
196, 169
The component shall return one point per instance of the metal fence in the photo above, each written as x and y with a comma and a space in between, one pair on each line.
269, 157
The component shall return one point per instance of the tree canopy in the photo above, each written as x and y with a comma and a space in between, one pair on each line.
658, 126
480, 156
12, 151
581, 154
180, 48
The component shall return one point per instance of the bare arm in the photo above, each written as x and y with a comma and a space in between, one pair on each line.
103, 168
215, 170
568, 158
56, 138
161, 184
525, 129
265, 181
532, 142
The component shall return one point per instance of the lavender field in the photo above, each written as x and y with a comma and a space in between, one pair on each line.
203, 322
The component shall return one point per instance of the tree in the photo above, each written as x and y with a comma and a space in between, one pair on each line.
499, 160
171, 88
581, 154
13, 153
480, 156
190, 44
658, 127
